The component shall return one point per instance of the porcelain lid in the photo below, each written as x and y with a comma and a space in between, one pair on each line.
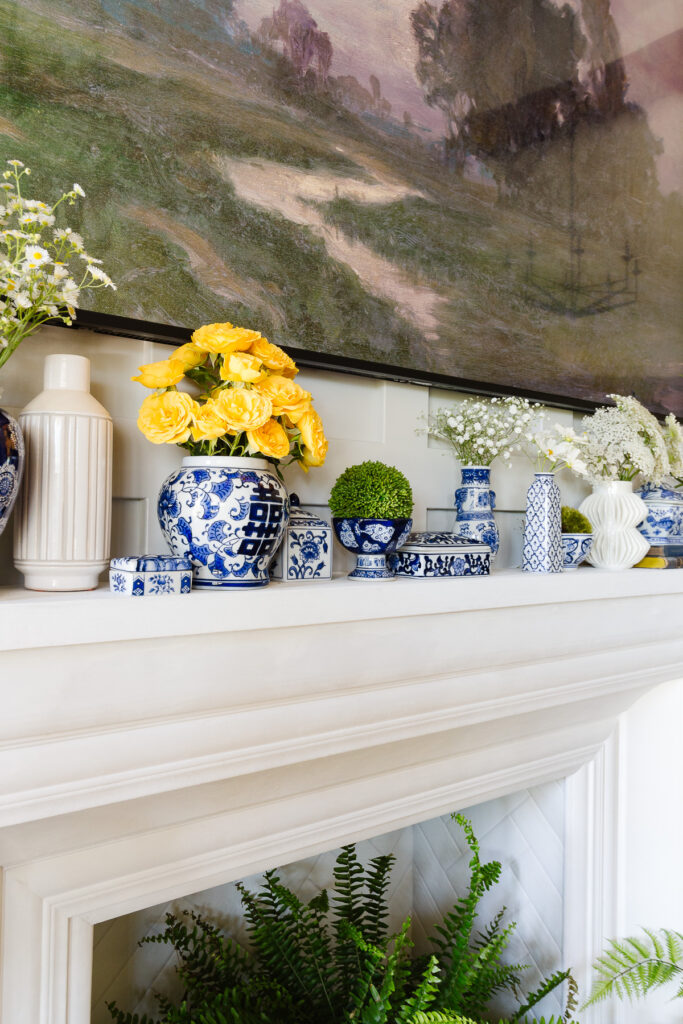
445, 543
151, 563
299, 518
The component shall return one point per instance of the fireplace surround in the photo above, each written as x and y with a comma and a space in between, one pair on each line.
156, 748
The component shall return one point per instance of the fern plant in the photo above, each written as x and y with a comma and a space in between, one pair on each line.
630, 968
334, 961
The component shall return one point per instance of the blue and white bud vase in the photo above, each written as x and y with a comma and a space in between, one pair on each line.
542, 550
474, 505
11, 464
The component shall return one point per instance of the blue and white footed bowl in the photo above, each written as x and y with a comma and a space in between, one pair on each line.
228, 515
664, 521
371, 540
575, 547
11, 464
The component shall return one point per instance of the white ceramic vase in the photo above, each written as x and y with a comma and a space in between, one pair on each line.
63, 515
615, 512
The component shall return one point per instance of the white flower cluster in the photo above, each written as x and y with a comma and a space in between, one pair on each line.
672, 433
482, 429
620, 442
36, 280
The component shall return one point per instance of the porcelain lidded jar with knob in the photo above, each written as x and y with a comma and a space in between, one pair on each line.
63, 516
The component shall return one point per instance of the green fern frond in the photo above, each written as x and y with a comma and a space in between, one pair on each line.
440, 1017
128, 1018
629, 968
547, 985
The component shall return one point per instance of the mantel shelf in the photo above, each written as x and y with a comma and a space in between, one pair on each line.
153, 748
29, 619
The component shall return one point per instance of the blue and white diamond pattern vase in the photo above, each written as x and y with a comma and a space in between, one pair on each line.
575, 547
228, 515
371, 540
306, 551
474, 505
150, 575
664, 522
542, 551
11, 464
440, 556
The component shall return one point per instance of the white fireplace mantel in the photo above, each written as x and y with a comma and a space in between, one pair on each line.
154, 748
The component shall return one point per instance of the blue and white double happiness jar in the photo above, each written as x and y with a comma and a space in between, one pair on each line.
228, 515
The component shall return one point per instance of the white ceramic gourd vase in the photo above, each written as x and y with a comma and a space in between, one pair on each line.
615, 511
63, 516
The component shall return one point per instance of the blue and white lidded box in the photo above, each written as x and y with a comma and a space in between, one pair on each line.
440, 555
306, 550
150, 575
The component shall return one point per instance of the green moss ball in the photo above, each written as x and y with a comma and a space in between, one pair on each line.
371, 490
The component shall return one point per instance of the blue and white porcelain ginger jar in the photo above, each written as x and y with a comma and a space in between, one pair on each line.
228, 515
663, 524
11, 464
474, 506
542, 551
371, 540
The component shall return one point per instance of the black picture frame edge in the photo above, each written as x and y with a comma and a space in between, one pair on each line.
167, 334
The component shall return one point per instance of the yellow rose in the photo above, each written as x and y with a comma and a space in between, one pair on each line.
161, 375
244, 409
271, 439
313, 437
274, 357
209, 423
222, 338
189, 355
286, 395
167, 418
241, 366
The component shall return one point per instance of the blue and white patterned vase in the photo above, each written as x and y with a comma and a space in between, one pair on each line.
664, 522
371, 540
306, 551
474, 505
11, 464
228, 515
542, 550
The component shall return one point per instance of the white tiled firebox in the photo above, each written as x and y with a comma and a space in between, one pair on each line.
525, 831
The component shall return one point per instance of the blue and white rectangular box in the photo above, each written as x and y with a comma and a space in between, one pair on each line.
150, 575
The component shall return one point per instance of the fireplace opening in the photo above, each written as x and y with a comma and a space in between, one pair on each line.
525, 831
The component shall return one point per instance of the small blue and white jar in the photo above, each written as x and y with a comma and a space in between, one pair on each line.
474, 506
11, 464
228, 515
150, 575
663, 524
542, 551
306, 551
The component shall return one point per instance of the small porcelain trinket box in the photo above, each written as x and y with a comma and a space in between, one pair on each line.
306, 551
440, 555
149, 575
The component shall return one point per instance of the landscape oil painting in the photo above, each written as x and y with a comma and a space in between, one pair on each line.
482, 191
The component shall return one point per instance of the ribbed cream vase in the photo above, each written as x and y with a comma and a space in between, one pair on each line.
615, 511
63, 515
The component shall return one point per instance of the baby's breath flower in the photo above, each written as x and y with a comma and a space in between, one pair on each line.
480, 430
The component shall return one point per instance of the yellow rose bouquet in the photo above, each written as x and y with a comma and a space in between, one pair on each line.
242, 401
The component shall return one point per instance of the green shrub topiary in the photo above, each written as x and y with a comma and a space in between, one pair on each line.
574, 521
371, 490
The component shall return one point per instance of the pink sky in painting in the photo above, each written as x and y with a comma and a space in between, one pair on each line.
374, 36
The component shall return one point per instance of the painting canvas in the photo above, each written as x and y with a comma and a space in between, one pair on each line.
467, 190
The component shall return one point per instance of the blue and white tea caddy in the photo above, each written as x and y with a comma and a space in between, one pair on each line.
150, 575
306, 551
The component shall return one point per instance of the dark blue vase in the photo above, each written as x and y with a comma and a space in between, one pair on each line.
11, 464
